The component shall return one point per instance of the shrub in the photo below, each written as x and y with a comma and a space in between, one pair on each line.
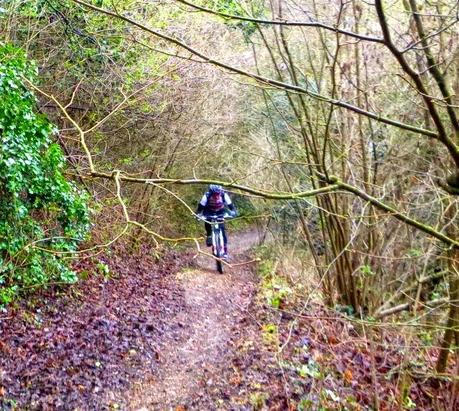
41, 213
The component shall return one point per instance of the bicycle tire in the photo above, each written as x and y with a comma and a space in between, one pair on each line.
219, 266
219, 250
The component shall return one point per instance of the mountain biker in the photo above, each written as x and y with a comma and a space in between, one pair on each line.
214, 202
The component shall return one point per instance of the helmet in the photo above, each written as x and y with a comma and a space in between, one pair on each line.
215, 188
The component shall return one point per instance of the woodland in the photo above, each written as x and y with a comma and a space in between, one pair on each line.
334, 127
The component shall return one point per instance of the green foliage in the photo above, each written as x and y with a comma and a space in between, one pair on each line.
409, 404
367, 271
345, 309
237, 8
270, 334
310, 369
275, 289
76, 42
103, 269
40, 211
258, 400
244, 206
305, 404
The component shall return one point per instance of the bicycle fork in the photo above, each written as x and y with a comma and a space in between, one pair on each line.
218, 245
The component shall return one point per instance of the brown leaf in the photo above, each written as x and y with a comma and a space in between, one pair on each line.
235, 379
4, 348
348, 375
332, 339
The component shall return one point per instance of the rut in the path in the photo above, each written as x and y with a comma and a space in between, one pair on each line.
192, 359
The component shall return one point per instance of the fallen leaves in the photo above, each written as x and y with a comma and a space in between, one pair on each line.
326, 364
88, 347
76, 354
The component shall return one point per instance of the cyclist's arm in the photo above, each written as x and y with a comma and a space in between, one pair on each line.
202, 205
228, 202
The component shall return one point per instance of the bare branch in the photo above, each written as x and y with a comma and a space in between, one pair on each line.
285, 22
453, 149
406, 306
433, 67
272, 82
335, 185
394, 213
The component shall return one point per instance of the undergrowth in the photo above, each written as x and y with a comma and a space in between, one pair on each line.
330, 360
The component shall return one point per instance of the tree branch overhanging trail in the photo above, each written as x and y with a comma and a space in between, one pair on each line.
264, 80
268, 195
335, 184
291, 23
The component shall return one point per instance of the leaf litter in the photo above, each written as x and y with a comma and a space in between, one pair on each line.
174, 335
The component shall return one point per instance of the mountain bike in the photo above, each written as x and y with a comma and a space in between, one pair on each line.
218, 245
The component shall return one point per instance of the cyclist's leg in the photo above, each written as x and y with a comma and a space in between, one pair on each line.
208, 234
225, 239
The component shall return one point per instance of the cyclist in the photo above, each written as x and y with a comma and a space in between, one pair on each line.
214, 202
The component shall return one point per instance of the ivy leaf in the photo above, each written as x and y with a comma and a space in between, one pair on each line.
31, 178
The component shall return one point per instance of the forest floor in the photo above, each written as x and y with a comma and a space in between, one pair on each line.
172, 334
140, 335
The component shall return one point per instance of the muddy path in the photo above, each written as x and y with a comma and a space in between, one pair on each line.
200, 352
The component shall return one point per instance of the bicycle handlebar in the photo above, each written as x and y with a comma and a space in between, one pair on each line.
213, 218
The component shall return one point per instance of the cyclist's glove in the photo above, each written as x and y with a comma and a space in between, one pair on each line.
233, 213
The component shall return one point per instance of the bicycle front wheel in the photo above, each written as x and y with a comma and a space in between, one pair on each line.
219, 251
220, 266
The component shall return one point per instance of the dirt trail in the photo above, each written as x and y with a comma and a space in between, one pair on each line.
202, 342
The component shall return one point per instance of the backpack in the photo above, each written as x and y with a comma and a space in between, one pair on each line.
215, 201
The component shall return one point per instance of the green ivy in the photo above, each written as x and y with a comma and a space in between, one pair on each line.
235, 8
41, 213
